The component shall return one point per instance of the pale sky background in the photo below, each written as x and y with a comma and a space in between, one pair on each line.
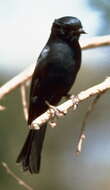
25, 27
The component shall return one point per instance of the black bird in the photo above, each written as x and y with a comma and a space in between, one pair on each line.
54, 75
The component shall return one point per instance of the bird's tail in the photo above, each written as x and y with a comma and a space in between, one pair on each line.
30, 155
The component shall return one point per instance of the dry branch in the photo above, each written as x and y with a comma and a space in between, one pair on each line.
16, 81
26, 74
19, 180
95, 42
24, 101
83, 128
50, 114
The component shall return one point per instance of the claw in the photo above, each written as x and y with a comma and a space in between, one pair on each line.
57, 112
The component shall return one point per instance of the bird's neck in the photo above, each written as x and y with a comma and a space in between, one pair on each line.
71, 41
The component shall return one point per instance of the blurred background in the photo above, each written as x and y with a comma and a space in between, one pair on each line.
24, 30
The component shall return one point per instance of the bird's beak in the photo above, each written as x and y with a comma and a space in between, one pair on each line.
81, 31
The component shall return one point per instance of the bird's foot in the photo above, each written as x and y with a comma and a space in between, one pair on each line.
56, 111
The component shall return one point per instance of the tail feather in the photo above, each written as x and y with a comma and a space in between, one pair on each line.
30, 155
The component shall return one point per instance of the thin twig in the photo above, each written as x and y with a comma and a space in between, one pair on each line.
16, 81
95, 42
97, 89
27, 74
19, 180
83, 128
24, 101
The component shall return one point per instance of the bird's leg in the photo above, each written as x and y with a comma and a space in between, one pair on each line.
57, 112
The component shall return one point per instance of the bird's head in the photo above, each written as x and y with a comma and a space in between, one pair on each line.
68, 28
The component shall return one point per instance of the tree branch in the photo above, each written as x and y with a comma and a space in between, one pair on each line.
27, 73
24, 101
83, 128
19, 180
16, 81
71, 103
95, 42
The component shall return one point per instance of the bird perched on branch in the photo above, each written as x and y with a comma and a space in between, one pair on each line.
54, 75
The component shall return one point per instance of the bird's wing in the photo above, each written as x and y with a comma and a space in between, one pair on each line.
39, 70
